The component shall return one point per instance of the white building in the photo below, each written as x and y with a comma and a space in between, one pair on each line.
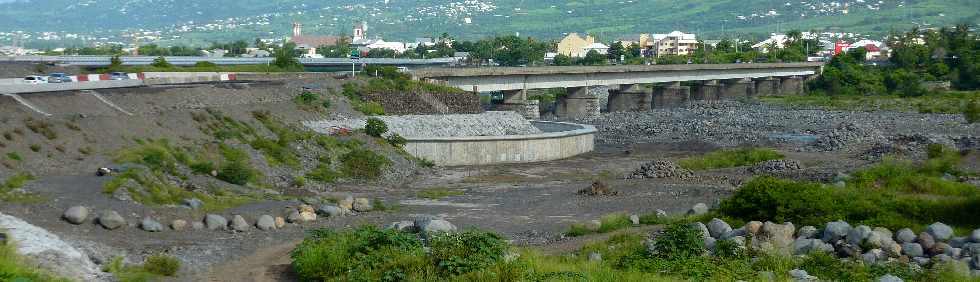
598, 47
381, 44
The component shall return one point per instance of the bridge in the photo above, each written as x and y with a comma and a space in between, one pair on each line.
673, 84
101, 61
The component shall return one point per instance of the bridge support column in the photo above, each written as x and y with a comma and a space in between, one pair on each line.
791, 85
630, 98
766, 86
708, 90
736, 88
579, 103
516, 100
671, 95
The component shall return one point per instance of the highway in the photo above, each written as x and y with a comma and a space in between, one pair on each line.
101, 61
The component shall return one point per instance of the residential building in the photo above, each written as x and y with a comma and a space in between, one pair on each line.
574, 45
675, 43
598, 47
308, 44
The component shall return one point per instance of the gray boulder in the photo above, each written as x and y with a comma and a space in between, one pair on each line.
111, 220
939, 248
197, 225
265, 223
704, 230
775, 238
215, 222
698, 209
76, 214
717, 227
880, 238
661, 213
835, 231
958, 242
804, 246
330, 211
734, 233
806, 232
798, 274
151, 225
889, 278
858, 234
939, 231
975, 236
436, 226
905, 235
921, 261
635, 219
238, 223
595, 257
971, 250
912, 250
404, 226
193, 203
709, 243
294, 217
926, 240
347, 203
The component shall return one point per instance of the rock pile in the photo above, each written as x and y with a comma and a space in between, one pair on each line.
776, 166
936, 244
660, 169
484, 124
847, 134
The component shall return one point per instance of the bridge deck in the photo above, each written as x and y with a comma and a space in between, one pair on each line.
499, 71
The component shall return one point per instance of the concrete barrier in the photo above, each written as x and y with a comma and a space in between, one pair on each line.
153, 78
70, 86
559, 140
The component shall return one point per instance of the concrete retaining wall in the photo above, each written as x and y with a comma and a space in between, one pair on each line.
559, 140
71, 86
152, 78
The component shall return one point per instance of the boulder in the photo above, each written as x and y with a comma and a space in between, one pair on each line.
921, 261
362, 205
879, 238
954, 253
435, 225
178, 224
709, 243
151, 225
912, 250
858, 234
905, 235
753, 227
889, 278
265, 223
847, 250
939, 231
804, 246
939, 248
705, 233
306, 208
404, 226
76, 214
798, 274
717, 228
926, 240
197, 225
595, 257
307, 216
698, 209
892, 249
775, 238
111, 220
294, 217
280, 222
635, 219
971, 250
869, 258
193, 203
835, 231
346, 203
806, 232
975, 236
661, 213
958, 242
215, 222
734, 233
330, 211
238, 223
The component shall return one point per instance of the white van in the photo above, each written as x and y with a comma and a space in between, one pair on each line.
34, 79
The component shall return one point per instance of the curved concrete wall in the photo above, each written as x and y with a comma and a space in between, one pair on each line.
559, 140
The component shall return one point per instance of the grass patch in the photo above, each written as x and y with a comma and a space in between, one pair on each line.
363, 164
312, 102
950, 102
13, 267
438, 193
607, 223
152, 188
730, 158
14, 182
14, 156
41, 127
154, 268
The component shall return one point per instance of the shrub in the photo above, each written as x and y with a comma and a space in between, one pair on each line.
14, 156
396, 140
35, 147
369, 108
972, 111
730, 158
363, 164
375, 127
236, 172
203, 167
162, 265
323, 173
679, 241
613, 222
306, 98
458, 253
578, 229
365, 254
161, 62
41, 127
767, 198
15, 181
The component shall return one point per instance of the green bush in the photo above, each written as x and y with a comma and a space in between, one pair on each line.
396, 140
369, 108
162, 265
161, 62
467, 251
972, 111
679, 241
203, 167
363, 254
730, 158
14, 156
323, 173
41, 127
236, 172
363, 164
613, 222
306, 98
13, 267
375, 127
767, 198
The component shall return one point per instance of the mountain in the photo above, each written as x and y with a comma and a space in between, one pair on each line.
198, 22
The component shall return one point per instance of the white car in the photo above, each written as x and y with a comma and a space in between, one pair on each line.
34, 79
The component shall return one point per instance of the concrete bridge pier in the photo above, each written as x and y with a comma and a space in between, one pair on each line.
671, 95
766, 86
578, 103
707, 90
516, 100
791, 85
736, 88
630, 98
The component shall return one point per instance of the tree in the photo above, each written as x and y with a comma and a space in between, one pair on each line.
593, 58
115, 63
161, 62
285, 57
562, 60
616, 51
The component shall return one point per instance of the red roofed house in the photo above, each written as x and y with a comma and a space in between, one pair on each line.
310, 43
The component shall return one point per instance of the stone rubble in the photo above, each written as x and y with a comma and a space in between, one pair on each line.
660, 169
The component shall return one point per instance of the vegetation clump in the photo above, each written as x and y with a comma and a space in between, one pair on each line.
730, 158
13, 267
41, 127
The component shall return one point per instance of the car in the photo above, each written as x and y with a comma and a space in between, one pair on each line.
118, 76
58, 77
34, 79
